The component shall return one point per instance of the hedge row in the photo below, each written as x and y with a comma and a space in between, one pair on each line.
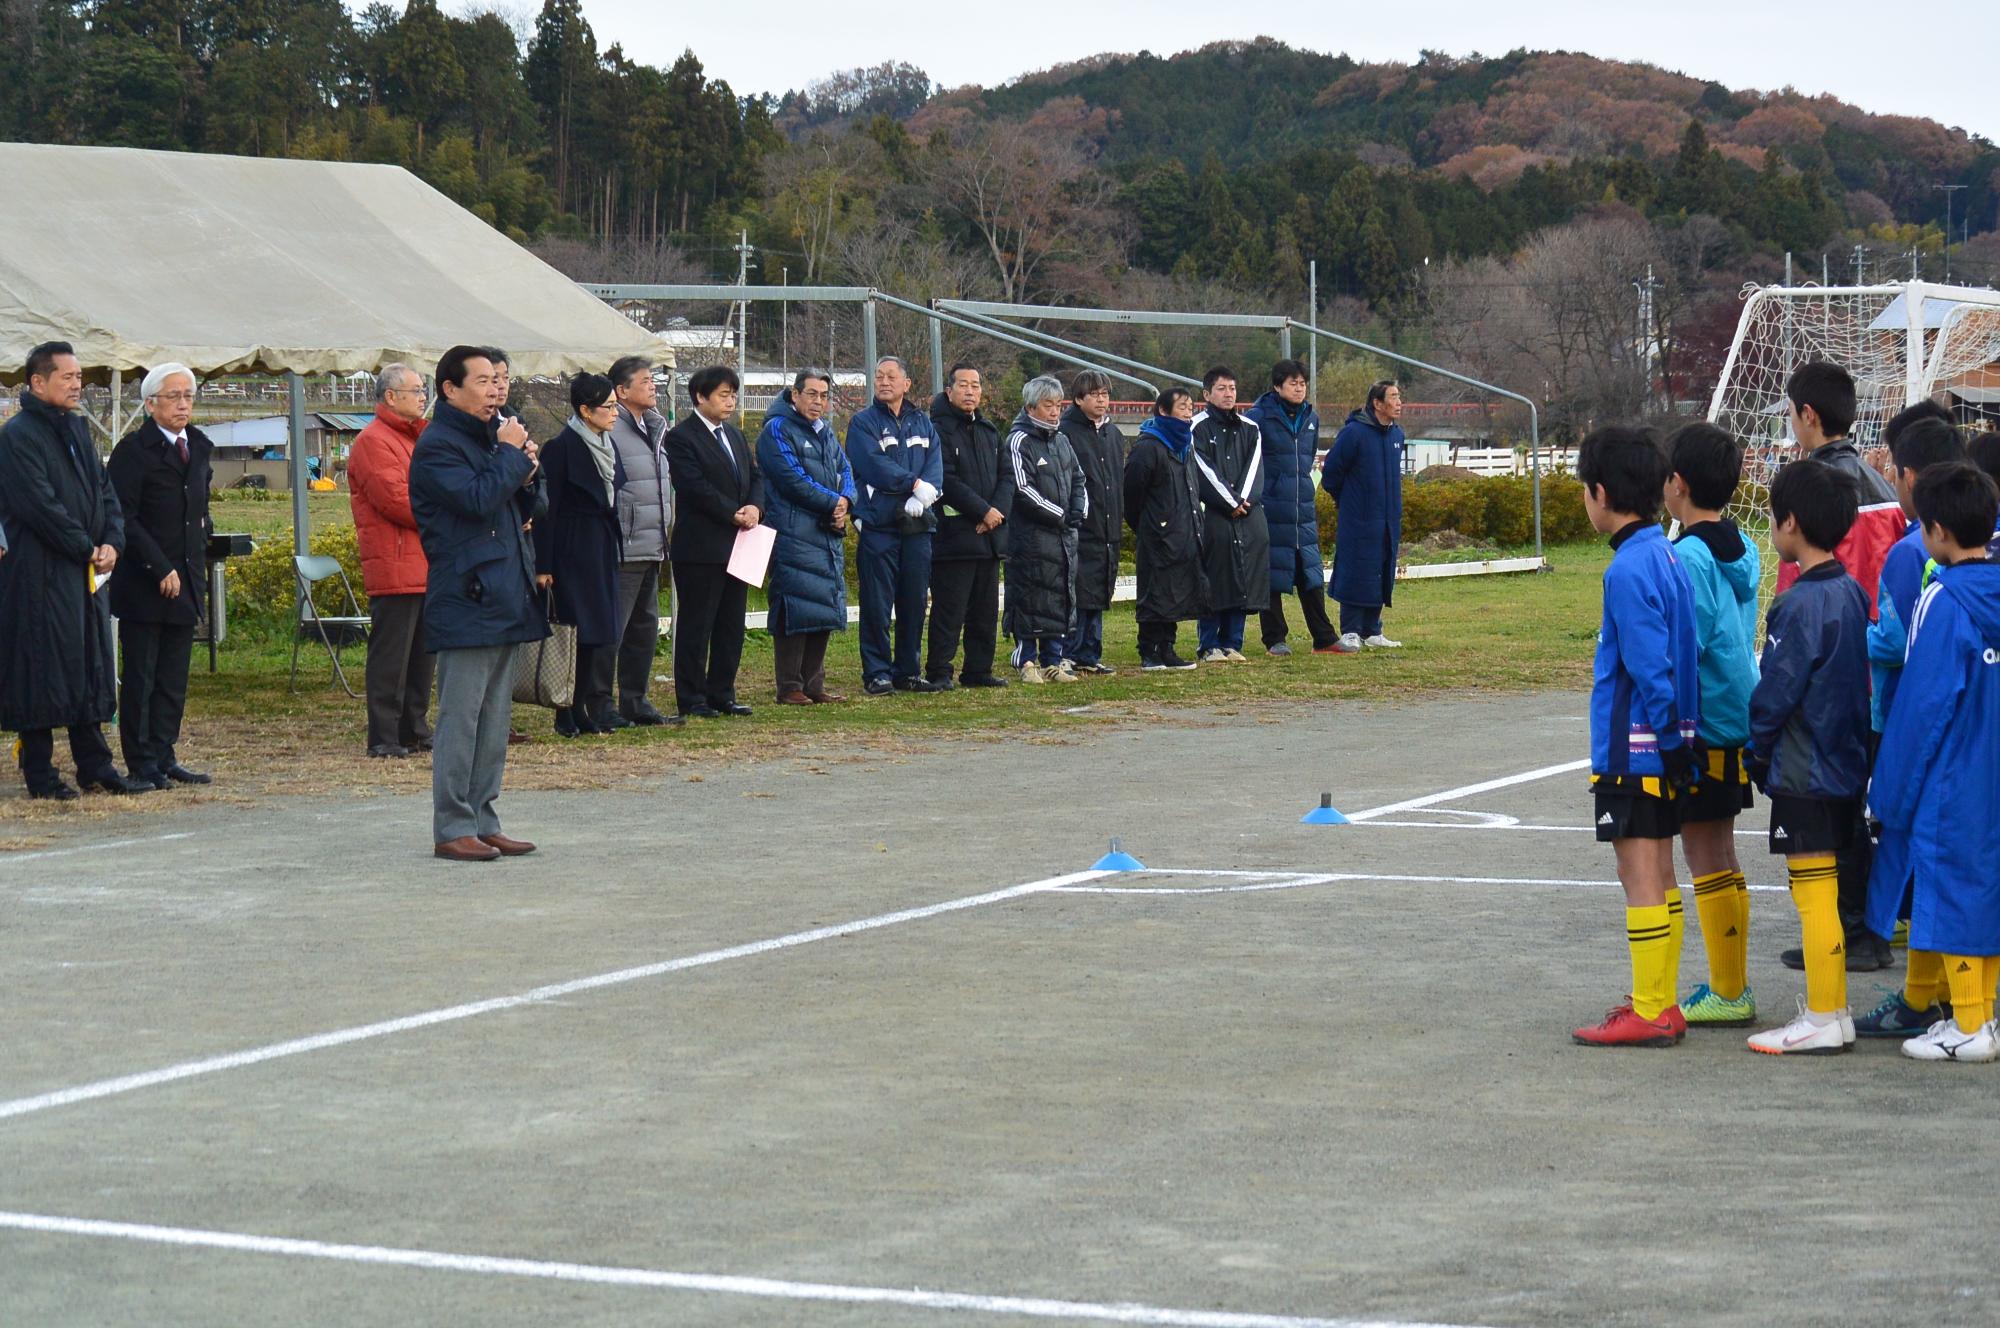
1493, 511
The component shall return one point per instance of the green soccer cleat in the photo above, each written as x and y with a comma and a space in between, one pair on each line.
1703, 1007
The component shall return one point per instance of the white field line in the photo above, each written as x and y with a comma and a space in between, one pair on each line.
1466, 791
408, 1023
1282, 881
713, 1283
1507, 824
8, 859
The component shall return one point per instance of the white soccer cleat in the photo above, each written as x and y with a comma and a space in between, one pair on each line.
1807, 1035
1944, 1042
1381, 642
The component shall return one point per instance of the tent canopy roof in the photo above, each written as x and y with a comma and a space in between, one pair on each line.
258, 264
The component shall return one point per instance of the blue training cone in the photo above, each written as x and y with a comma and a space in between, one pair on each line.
1117, 860
1324, 814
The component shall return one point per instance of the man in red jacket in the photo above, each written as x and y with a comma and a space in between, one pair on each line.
393, 568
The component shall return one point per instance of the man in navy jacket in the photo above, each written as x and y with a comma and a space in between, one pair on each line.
899, 471
1364, 474
473, 489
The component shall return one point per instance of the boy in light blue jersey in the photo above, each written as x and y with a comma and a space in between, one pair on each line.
1723, 570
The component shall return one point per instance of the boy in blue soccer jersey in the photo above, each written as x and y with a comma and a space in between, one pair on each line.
1937, 780
1723, 569
1809, 738
1921, 443
1643, 714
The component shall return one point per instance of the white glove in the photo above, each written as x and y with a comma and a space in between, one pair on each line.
926, 493
913, 506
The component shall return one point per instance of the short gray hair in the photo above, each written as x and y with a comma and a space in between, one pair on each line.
391, 379
809, 373
896, 360
155, 382
1048, 387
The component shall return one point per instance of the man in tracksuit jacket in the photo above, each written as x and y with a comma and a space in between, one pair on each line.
899, 470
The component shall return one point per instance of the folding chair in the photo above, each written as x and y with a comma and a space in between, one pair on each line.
332, 632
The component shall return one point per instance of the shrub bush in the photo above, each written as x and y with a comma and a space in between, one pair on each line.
261, 585
1498, 510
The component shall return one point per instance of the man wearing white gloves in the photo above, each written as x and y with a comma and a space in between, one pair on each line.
899, 471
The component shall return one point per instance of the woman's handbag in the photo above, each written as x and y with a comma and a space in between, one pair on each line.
545, 670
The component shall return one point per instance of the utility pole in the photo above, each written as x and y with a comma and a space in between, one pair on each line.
1949, 190
743, 251
1646, 336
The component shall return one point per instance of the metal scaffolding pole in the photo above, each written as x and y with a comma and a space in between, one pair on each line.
939, 316
1534, 416
957, 306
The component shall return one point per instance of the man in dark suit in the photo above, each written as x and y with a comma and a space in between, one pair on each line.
160, 473
717, 493
64, 534
473, 486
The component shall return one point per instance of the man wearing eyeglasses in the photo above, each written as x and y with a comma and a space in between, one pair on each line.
160, 473
393, 568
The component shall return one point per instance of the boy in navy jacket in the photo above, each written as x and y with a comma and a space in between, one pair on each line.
1937, 781
1809, 738
1643, 715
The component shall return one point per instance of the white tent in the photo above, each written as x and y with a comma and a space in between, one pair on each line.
240, 263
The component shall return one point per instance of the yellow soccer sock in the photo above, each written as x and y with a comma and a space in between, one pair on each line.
1646, 932
1971, 990
1816, 891
1742, 957
1924, 982
1676, 935
1715, 905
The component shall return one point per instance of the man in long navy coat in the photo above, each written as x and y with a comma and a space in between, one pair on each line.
1364, 474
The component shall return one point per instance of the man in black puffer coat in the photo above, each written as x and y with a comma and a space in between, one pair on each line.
1100, 450
965, 552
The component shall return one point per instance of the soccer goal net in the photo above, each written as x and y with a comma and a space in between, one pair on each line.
1902, 343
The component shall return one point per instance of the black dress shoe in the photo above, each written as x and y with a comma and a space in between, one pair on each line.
983, 680
733, 708
159, 782
565, 721
701, 712
110, 781
610, 722
644, 715
56, 792
917, 685
180, 774
389, 751
941, 684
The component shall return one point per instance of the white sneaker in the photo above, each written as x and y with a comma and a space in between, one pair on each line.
1236, 657
1944, 1042
1348, 644
1062, 670
1215, 656
1381, 642
1847, 1028
1808, 1035
1031, 672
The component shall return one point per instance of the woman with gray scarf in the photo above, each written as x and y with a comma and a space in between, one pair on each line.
578, 545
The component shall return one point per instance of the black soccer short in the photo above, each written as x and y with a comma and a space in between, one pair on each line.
1634, 808
1814, 825
1724, 792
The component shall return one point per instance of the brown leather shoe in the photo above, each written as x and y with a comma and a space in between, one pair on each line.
795, 698
512, 848
465, 849
825, 698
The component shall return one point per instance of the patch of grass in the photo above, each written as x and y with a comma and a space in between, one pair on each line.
1517, 633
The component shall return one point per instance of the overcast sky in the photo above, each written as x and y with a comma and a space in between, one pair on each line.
1932, 59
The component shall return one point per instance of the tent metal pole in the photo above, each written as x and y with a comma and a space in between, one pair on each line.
301, 520
117, 404
939, 316
989, 324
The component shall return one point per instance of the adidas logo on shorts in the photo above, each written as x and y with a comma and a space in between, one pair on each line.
1604, 819
1778, 834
